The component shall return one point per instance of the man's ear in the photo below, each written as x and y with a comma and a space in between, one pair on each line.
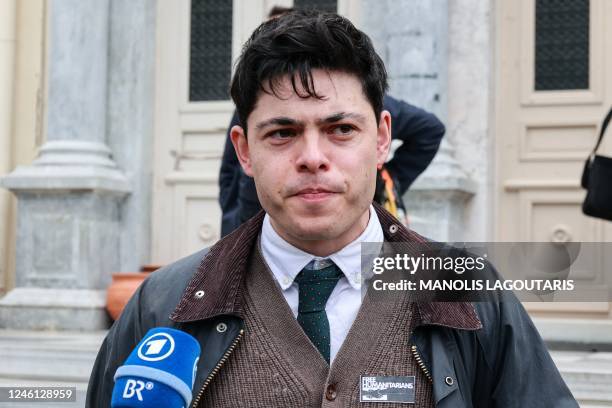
241, 146
383, 139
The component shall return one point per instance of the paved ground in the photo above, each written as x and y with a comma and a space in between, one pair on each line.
65, 359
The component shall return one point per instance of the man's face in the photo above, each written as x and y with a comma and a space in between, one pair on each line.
314, 160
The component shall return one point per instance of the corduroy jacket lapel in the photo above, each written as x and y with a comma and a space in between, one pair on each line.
216, 288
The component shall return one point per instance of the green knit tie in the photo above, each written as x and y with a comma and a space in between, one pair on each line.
315, 287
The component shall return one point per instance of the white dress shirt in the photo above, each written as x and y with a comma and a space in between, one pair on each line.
286, 261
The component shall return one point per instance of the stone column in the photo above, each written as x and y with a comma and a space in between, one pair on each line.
69, 199
412, 38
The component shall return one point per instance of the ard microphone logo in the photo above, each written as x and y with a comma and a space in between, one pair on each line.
157, 347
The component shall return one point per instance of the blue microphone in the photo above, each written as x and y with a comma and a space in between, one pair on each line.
159, 372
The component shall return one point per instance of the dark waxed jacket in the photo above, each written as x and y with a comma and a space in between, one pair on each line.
419, 131
483, 354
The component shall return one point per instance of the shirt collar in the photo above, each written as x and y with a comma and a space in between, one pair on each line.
286, 261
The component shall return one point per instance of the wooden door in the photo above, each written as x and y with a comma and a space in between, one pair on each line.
553, 88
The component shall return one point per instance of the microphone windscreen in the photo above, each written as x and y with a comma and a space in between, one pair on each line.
159, 372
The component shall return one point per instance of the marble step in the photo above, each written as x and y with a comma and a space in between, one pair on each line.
588, 375
56, 356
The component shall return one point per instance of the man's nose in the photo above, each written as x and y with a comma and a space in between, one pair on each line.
311, 155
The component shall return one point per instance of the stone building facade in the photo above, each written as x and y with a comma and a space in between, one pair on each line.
112, 123
113, 117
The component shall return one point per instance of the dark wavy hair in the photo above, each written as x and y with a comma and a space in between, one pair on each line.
296, 43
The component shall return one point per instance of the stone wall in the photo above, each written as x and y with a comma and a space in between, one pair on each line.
471, 78
417, 41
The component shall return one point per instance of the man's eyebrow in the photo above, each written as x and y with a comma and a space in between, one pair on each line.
286, 121
337, 117
278, 121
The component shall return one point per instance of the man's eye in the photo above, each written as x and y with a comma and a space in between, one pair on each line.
342, 130
282, 133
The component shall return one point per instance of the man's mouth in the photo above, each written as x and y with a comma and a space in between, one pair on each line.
313, 191
314, 194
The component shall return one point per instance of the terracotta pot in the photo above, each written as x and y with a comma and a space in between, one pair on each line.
150, 268
121, 290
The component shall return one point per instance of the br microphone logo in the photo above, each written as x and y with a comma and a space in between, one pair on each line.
157, 347
135, 387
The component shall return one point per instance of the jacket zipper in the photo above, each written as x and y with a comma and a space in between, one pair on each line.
215, 370
420, 362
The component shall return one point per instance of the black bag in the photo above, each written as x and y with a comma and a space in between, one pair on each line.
597, 180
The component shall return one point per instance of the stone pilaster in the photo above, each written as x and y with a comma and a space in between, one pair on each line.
436, 201
412, 38
69, 199
130, 117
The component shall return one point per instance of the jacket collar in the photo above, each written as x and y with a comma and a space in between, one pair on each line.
220, 278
